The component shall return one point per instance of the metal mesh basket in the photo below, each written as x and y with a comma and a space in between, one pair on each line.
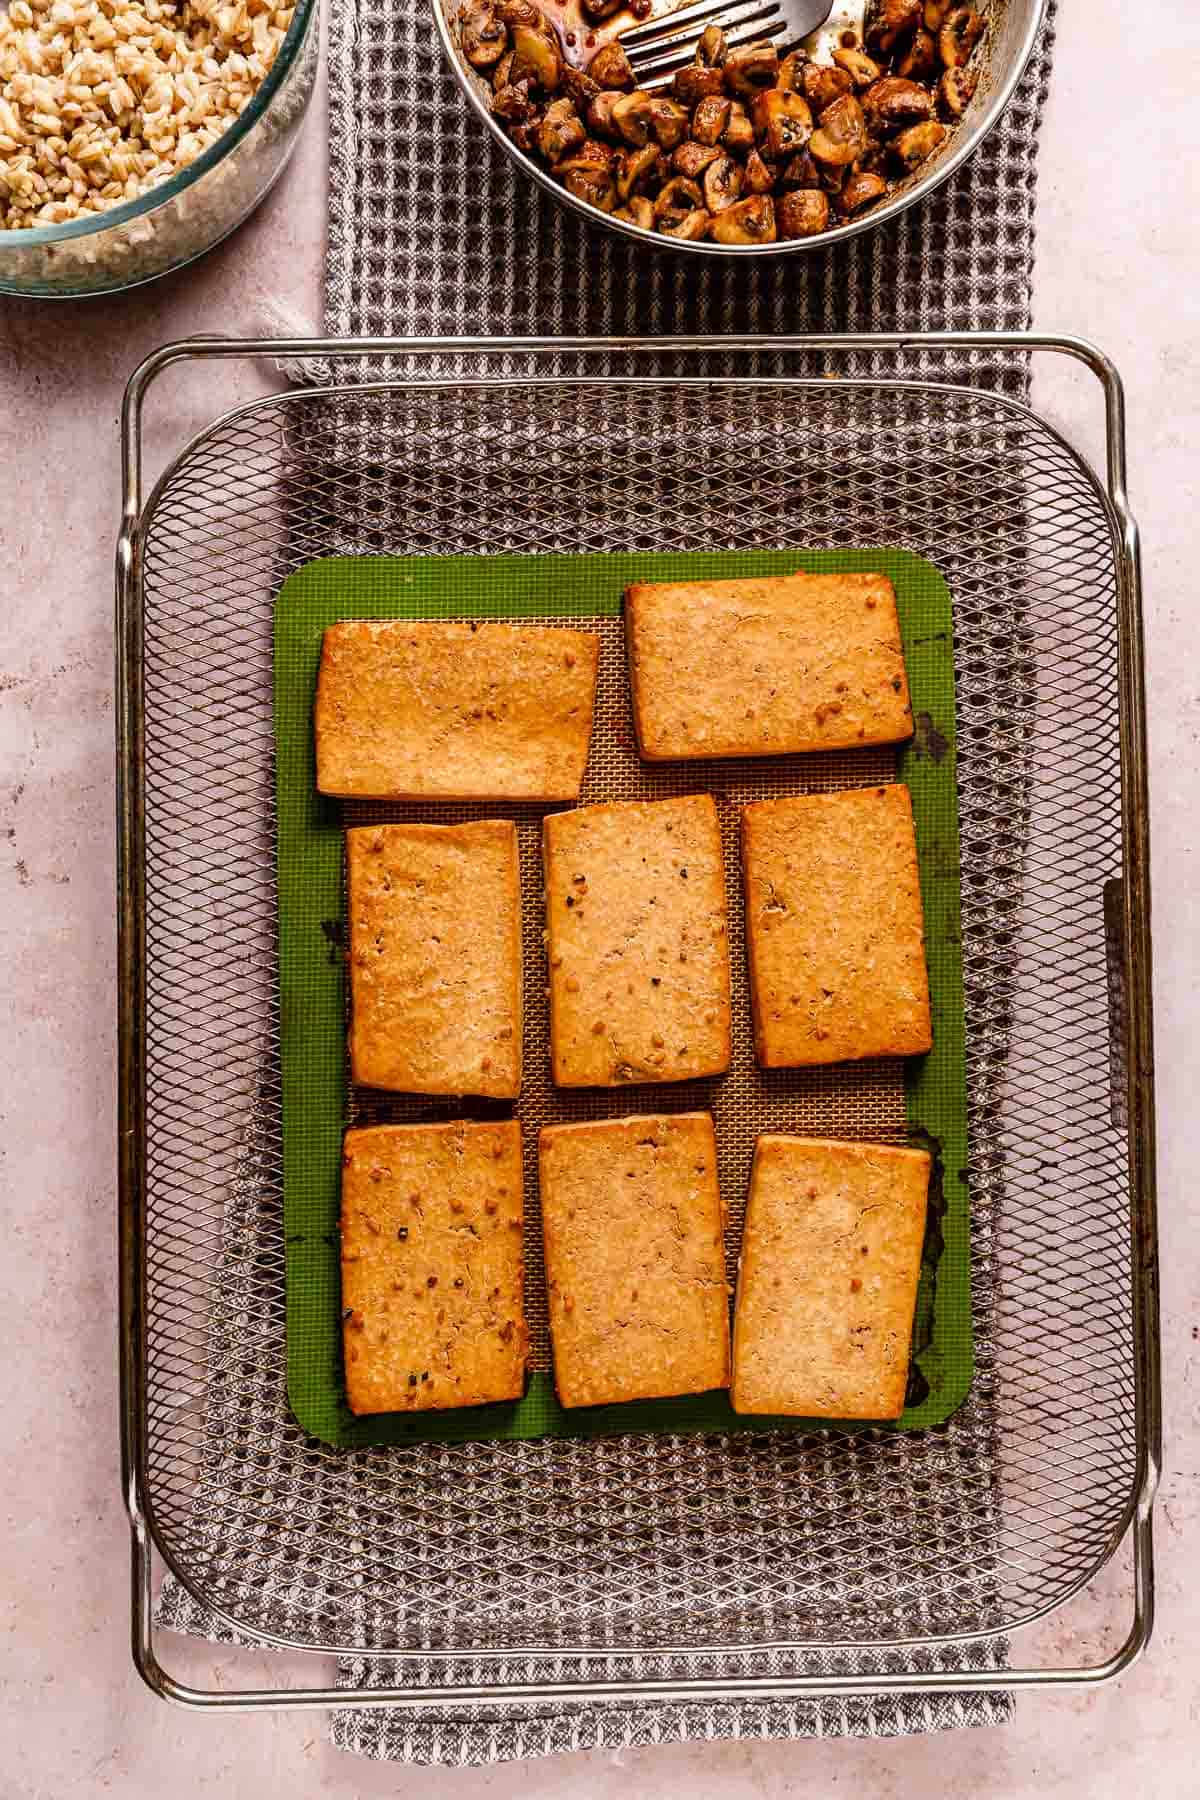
844, 1542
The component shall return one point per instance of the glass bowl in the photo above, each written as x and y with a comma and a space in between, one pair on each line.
179, 219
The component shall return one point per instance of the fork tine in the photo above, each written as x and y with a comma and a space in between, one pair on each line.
767, 22
701, 12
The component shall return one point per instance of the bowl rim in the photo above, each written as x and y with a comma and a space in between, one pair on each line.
90, 224
965, 145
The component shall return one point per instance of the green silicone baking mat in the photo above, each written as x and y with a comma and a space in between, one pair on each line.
923, 1101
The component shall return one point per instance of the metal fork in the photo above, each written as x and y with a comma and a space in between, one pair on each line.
662, 46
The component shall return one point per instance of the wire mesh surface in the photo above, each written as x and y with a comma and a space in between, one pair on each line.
832, 1539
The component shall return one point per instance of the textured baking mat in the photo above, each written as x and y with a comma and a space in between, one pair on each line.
923, 1100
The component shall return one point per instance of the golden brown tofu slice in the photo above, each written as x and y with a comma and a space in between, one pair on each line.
761, 666
435, 958
828, 1283
635, 1266
638, 942
835, 928
433, 1311
446, 710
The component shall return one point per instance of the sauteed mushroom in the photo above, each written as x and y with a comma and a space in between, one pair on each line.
611, 68
919, 141
710, 119
692, 159
743, 148
959, 35
722, 184
841, 135
712, 49
859, 190
484, 37
893, 102
693, 83
679, 198
803, 213
750, 68
751, 221
783, 123
560, 132
861, 68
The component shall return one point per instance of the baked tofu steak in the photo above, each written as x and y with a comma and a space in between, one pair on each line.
763, 666
447, 710
435, 958
828, 1281
638, 943
433, 1312
635, 1265
834, 927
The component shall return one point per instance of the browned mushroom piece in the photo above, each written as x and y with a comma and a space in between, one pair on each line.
641, 211
920, 61
692, 159
802, 213
821, 86
893, 103
668, 122
693, 83
897, 15
633, 116
484, 37
957, 90
798, 172
636, 168
722, 184
536, 59
919, 141
512, 103
579, 87
751, 221
791, 71
560, 132
890, 24
600, 114
841, 135
588, 181
859, 190
738, 134
694, 225
783, 123
935, 13
522, 12
501, 72
712, 49
759, 176
861, 68
710, 119
675, 201
751, 68
832, 176
611, 68
959, 35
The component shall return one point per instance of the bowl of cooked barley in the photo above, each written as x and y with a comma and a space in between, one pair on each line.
136, 134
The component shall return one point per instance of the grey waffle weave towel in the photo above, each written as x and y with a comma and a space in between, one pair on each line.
433, 233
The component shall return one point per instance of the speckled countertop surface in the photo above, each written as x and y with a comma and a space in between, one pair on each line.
1118, 261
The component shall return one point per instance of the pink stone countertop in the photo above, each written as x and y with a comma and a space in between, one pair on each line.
1118, 261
